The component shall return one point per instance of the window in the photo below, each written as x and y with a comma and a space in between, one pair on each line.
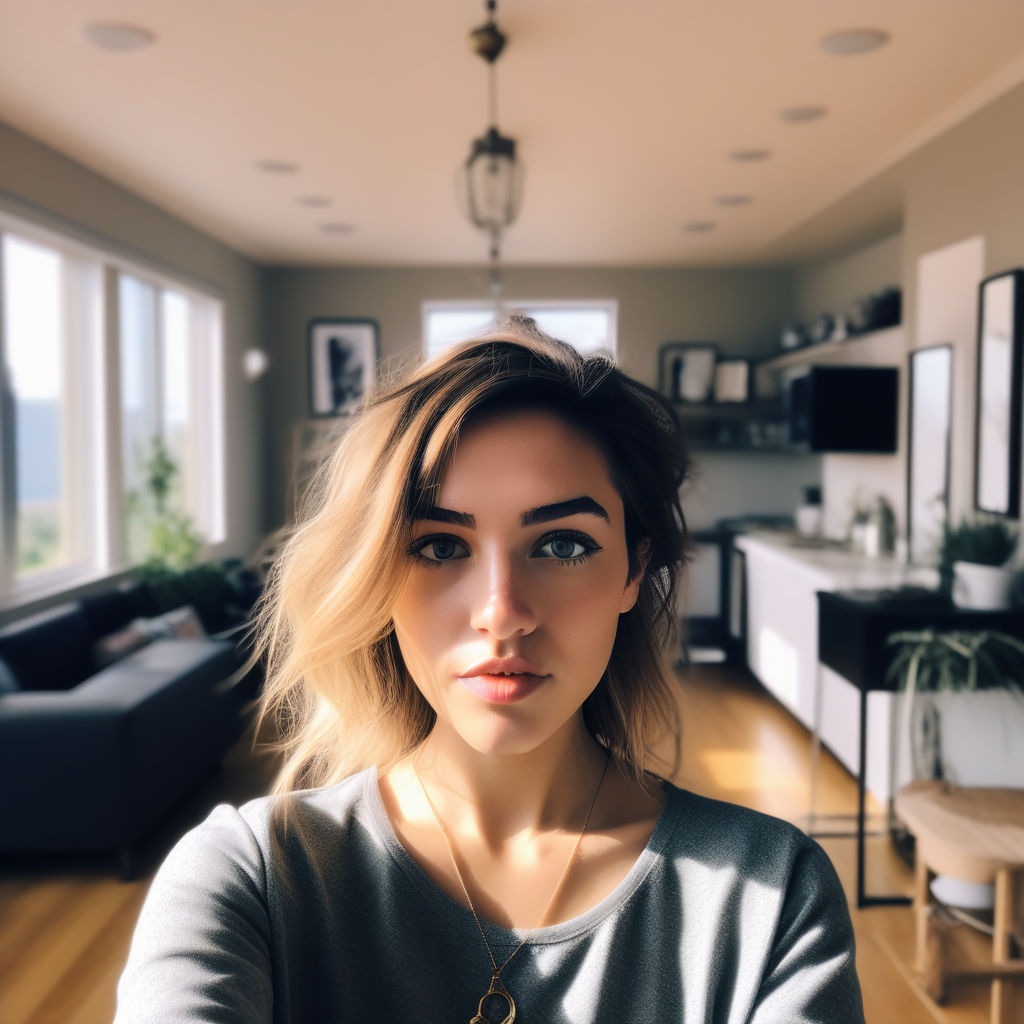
53, 442
170, 349
69, 461
588, 326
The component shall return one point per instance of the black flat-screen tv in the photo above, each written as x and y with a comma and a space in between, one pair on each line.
843, 409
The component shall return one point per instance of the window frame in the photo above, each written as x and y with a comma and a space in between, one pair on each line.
105, 522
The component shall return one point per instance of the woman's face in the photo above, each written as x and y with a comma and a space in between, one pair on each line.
516, 581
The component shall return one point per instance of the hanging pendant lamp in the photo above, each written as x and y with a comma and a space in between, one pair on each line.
491, 177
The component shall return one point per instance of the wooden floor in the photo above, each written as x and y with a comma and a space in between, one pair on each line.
65, 925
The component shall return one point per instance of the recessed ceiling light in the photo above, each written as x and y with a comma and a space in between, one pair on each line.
853, 41
699, 226
276, 166
749, 156
734, 199
112, 35
807, 113
337, 228
318, 201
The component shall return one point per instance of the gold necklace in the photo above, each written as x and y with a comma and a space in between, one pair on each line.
497, 1006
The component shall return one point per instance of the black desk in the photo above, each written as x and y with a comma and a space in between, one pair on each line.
853, 627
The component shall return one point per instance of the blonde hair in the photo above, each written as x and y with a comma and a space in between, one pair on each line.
335, 679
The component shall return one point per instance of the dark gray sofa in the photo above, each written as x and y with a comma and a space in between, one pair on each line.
92, 760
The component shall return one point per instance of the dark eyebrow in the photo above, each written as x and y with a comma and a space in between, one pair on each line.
437, 514
542, 514
560, 509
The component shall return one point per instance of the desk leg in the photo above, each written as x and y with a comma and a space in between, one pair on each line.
862, 764
863, 900
812, 816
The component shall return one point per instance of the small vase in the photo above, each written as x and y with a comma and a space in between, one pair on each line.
981, 587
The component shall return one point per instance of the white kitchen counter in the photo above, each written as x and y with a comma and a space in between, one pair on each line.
831, 566
782, 580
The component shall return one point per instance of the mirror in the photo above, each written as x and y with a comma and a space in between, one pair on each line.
998, 396
931, 392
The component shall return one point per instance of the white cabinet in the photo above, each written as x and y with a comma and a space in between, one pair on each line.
782, 627
840, 731
782, 581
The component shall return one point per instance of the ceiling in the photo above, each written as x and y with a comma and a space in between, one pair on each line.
625, 116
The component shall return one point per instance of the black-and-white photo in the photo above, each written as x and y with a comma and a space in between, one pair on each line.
342, 365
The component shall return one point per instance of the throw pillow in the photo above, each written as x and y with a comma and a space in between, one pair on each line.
181, 624
115, 646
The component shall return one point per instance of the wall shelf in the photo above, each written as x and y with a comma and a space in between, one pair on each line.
732, 426
758, 425
826, 351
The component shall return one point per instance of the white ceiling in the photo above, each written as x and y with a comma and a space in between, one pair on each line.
625, 115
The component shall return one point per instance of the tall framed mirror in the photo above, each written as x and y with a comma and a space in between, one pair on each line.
997, 434
929, 418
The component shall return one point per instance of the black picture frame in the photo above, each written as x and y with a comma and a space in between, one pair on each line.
686, 371
343, 354
997, 408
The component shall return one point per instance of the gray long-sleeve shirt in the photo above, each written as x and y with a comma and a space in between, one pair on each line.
728, 917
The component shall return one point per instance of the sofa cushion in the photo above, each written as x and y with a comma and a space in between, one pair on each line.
180, 623
108, 611
49, 651
140, 596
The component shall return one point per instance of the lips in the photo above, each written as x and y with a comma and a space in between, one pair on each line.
503, 680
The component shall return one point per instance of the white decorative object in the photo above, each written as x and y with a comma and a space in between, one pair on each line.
808, 520
981, 587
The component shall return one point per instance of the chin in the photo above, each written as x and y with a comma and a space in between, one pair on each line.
500, 734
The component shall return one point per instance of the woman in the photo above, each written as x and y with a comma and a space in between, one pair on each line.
464, 644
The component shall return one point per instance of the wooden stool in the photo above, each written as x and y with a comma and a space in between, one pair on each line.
976, 835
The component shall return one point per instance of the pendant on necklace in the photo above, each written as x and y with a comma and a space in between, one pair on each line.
497, 1006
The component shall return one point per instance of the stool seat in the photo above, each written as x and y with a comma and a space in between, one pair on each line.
976, 835
967, 833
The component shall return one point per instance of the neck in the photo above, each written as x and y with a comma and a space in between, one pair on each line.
498, 799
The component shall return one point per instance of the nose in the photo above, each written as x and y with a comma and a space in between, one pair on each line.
501, 605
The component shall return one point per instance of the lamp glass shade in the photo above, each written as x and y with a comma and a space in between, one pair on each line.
491, 181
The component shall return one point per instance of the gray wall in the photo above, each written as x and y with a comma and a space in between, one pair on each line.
39, 184
831, 286
739, 310
964, 184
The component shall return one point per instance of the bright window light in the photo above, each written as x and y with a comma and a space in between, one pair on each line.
588, 326
51, 349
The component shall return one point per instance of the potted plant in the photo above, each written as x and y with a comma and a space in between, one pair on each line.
169, 544
962, 710
973, 561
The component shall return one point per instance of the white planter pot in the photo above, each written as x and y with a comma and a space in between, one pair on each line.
981, 587
967, 895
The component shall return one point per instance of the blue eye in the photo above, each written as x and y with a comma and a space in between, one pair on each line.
439, 549
567, 547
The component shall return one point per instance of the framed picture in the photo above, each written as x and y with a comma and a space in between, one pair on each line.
686, 371
997, 432
342, 365
732, 380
